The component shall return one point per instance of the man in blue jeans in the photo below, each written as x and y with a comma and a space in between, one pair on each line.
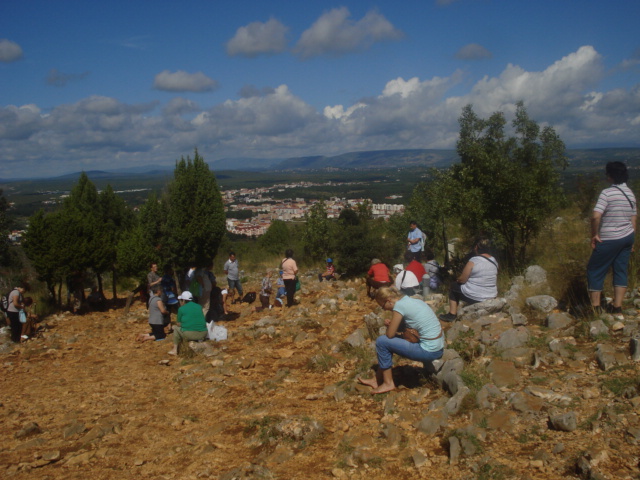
233, 276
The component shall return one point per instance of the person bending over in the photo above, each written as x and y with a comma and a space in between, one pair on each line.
415, 314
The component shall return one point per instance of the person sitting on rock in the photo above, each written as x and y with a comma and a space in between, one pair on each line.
406, 280
191, 323
377, 276
157, 316
477, 282
28, 327
265, 292
329, 273
414, 314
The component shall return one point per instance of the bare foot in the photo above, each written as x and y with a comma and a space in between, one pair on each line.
172, 352
369, 382
384, 388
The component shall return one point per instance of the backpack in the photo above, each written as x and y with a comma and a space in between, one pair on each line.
4, 303
249, 297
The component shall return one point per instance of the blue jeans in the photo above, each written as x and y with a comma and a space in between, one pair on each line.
386, 347
609, 253
235, 284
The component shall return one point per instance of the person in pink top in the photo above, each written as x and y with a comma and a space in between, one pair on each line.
289, 272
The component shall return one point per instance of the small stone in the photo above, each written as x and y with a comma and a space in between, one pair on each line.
164, 362
138, 462
566, 422
558, 448
29, 429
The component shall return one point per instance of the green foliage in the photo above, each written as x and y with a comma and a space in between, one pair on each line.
195, 218
316, 238
134, 254
276, 239
432, 205
355, 244
508, 186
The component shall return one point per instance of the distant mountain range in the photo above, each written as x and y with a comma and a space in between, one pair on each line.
377, 159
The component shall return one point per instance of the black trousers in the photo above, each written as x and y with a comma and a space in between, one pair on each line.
16, 326
290, 287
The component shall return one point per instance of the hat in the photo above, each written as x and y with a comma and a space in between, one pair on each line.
329, 260
186, 295
398, 267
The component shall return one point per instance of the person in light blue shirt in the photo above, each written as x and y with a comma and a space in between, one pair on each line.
415, 314
414, 239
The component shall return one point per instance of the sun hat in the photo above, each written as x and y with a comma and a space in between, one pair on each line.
186, 295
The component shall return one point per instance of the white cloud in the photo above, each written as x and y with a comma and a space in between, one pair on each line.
274, 122
258, 38
9, 51
473, 51
182, 81
335, 34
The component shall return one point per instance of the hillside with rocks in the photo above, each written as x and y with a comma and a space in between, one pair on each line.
523, 391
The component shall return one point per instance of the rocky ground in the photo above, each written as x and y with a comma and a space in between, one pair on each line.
524, 392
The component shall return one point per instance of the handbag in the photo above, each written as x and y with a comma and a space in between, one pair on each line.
411, 335
298, 284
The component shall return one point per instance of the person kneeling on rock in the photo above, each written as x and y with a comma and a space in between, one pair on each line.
422, 342
191, 323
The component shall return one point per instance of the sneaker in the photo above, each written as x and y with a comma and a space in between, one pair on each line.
25, 337
447, 317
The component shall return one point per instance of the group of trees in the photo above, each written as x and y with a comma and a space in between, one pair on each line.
98, 232
505, 187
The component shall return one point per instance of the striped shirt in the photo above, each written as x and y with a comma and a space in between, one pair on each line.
616, 212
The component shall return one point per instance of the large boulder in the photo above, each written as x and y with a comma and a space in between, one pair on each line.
535, 275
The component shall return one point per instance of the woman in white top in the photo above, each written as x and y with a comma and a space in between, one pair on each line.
477, 282
613, 227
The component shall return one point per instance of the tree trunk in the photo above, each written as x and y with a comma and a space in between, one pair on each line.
99, 277
446, 243
60, 294
113, 284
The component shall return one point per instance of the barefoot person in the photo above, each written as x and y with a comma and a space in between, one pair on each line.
415, 314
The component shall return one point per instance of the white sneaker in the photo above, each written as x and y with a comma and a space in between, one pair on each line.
25, 337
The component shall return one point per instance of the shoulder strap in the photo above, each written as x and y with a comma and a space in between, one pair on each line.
625, 195
489, 260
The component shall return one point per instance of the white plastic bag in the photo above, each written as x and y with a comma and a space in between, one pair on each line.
216, 332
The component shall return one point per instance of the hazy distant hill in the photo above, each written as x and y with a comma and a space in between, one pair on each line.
579, 159
373, 159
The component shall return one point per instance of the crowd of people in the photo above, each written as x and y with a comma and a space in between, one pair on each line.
413, 330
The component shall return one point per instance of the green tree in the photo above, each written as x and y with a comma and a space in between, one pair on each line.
507, 186
356, 244
276, 239
116, 219
316, 238
432, 205
195, 218
40, 244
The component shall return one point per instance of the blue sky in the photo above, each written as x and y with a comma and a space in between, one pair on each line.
99, 85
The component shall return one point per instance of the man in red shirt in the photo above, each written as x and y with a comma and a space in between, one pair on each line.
378, 276
414, 265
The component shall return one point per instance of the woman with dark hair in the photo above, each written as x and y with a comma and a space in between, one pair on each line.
289, 272
428, 345
613, 227
477, 282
